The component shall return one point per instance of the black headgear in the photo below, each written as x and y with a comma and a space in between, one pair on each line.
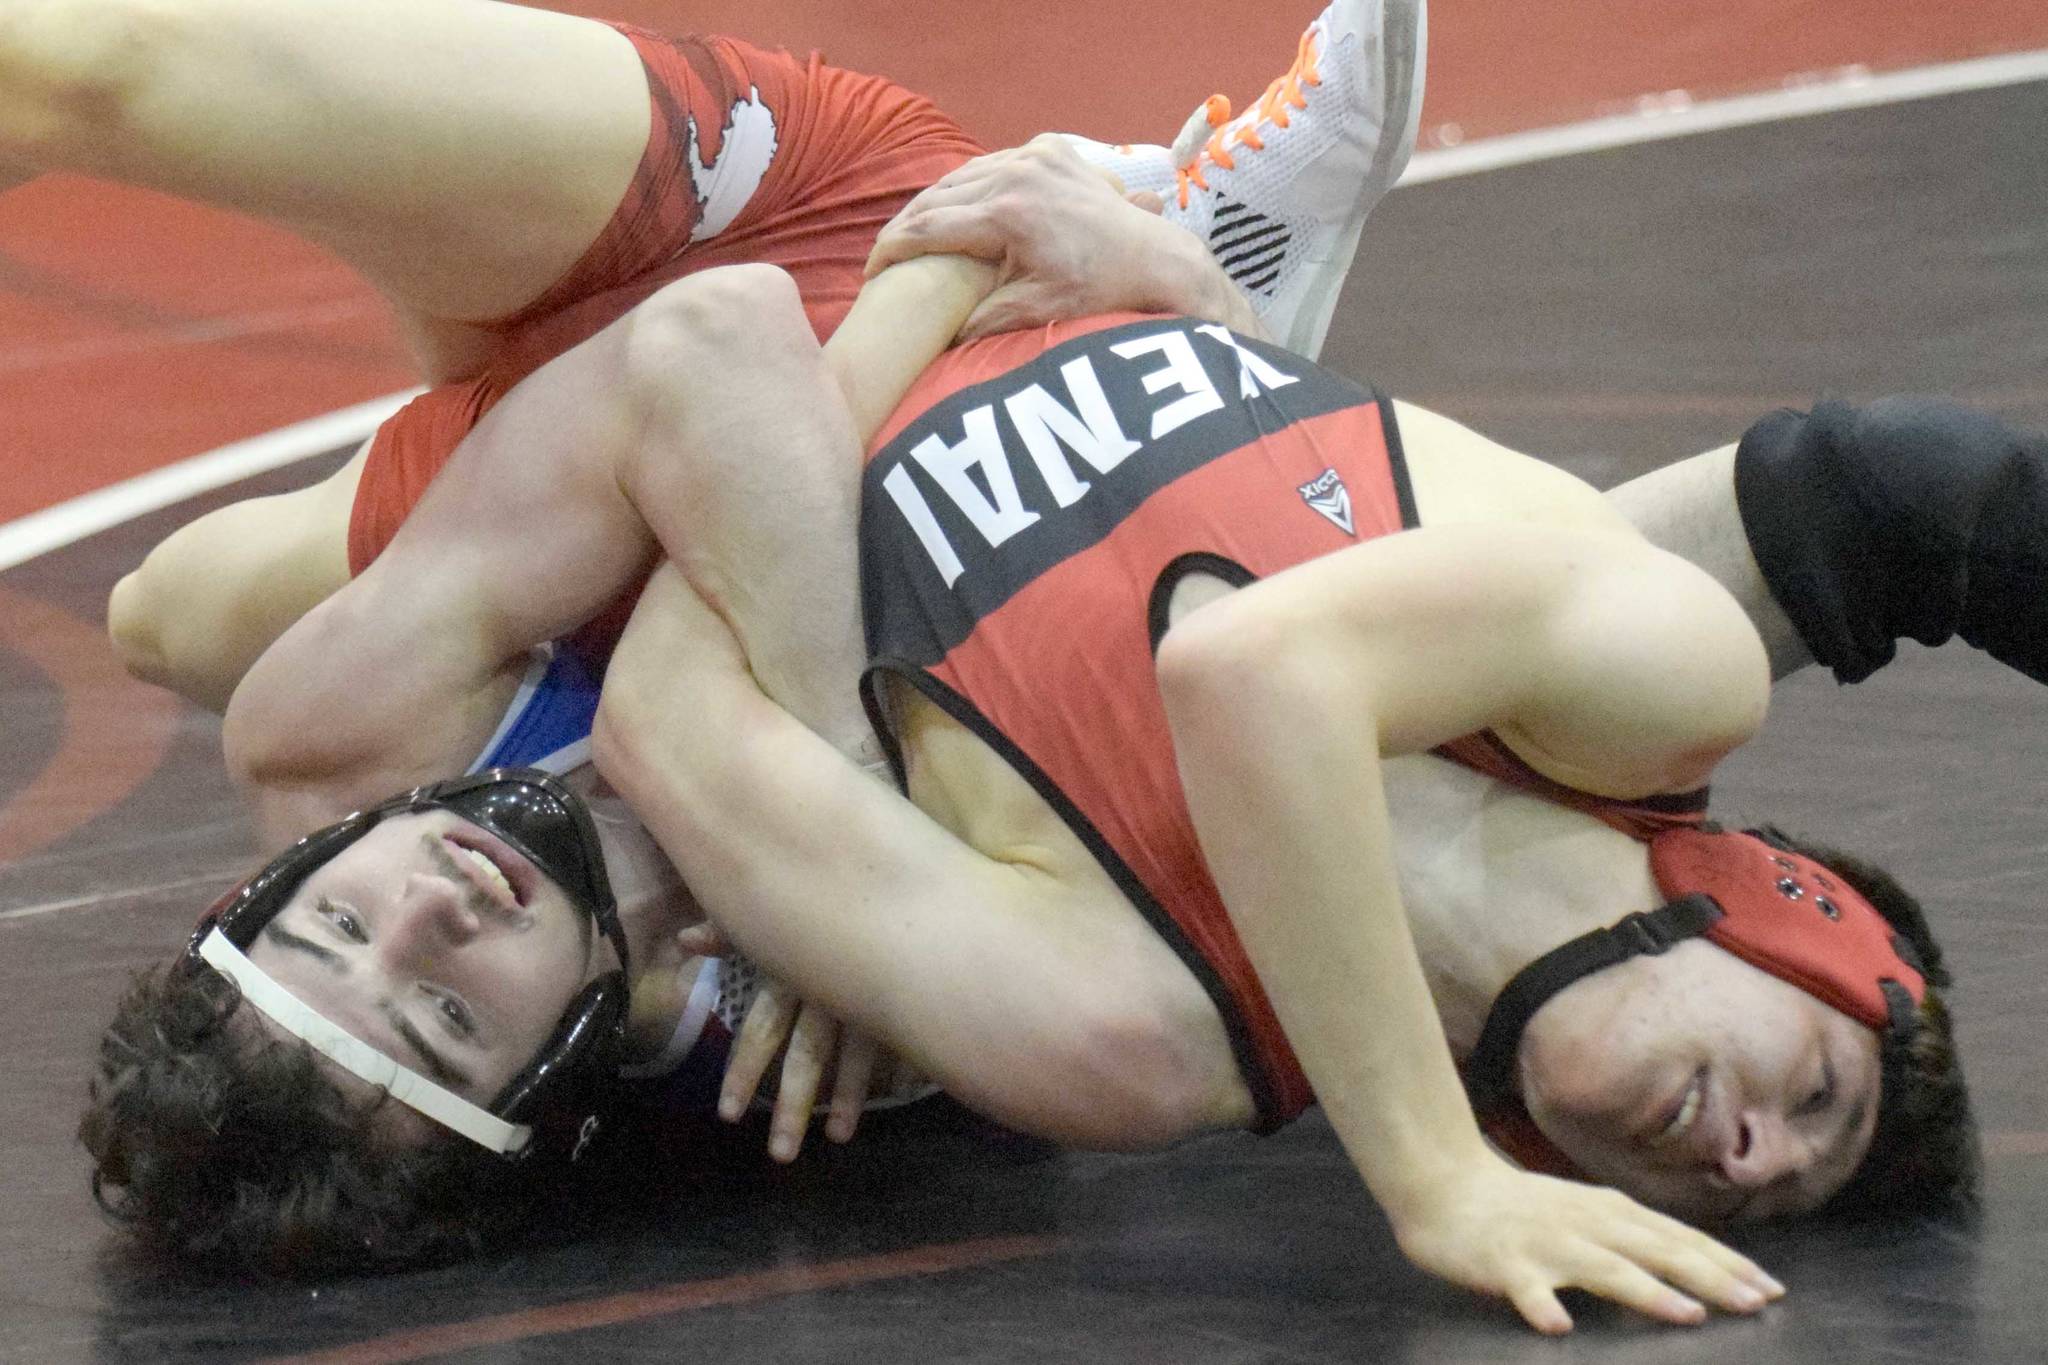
559, 1094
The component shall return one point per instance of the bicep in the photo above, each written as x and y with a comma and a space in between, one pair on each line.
1622, 666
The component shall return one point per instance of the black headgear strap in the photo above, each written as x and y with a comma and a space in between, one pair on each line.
1490, 1071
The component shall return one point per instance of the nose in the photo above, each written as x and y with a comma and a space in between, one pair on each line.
1764, 1151
432, 916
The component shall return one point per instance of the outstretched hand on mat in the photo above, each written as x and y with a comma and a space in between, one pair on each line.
1522, 1236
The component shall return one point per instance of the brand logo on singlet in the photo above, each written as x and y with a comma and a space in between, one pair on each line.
746, 146
1327, 494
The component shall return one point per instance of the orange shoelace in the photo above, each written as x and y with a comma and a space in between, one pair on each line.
1281, 96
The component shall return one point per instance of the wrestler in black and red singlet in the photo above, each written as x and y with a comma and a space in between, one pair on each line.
1025, 516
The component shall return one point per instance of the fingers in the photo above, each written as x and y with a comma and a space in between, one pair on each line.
966, 230
1148, 200
858, 1055
1616, 1277
1663, 1269
1017, 306
1701, 1266
994, 187
969, 185
761, 1036
1005, 310
803, 1072
702, 940
1538, 1304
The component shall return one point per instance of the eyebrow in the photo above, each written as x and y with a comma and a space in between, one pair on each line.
285, 938
439, 1067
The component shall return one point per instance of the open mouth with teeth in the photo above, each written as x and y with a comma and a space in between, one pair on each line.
492, 869
1688, 1110
1680, 1116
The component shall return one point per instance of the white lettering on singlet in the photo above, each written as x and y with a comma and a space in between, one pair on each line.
1091, 432
1000, 515
1252, 370
903, 492
1089, 428
1183, 371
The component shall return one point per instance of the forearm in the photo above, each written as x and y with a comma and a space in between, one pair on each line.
1274, 756
902, 321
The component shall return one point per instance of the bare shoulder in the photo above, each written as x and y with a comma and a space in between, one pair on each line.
1460, 475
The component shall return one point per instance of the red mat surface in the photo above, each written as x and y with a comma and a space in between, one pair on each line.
135, 331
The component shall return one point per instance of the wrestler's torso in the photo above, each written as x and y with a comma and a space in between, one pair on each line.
986, 749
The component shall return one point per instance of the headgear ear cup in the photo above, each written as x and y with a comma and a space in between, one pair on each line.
560, 1093
1752, 895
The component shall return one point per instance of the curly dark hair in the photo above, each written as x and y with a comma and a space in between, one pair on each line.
1925, 1157
217, 1142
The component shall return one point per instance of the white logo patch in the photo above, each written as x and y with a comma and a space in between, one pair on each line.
745, 151
1327, 494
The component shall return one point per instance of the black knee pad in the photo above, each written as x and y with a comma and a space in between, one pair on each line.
1911, 517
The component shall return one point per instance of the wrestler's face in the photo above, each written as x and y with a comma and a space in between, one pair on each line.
1703, 1085
439, 945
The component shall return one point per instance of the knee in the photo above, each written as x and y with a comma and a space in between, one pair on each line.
78, 66
134, 630
734, 311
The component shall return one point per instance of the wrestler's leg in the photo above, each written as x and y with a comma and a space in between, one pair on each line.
462, 156
214, 594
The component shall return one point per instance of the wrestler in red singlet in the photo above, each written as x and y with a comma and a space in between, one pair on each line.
753, 156
1025, 517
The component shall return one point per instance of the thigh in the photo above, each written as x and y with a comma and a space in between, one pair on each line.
462, 155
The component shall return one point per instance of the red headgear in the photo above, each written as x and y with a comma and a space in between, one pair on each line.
1777, 910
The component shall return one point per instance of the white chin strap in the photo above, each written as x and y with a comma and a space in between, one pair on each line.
401, 1082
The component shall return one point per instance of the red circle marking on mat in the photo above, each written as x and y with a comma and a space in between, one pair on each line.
116, 730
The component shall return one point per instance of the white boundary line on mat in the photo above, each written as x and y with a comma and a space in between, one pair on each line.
1657, 117
90, 513
1675, 114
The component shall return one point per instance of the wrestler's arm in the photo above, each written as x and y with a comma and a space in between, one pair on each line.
705, 425
1628, 670
987, 975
